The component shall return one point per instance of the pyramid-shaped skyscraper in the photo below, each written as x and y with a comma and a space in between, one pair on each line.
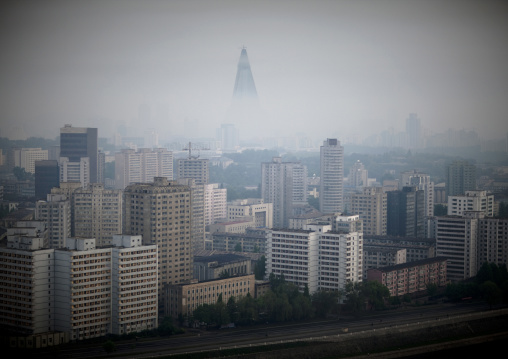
245, 89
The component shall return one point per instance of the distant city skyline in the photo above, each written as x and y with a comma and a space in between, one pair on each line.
326, 69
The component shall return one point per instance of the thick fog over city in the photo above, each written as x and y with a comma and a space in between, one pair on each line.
347, 69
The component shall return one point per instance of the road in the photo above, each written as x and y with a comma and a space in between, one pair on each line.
227, 338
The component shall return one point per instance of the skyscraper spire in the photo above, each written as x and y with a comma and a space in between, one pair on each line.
245, 89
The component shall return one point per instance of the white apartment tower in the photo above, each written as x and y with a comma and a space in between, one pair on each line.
316, 256
332, 176
294, 254
134, 276
56, 212
142, 166
284, 184
457, 240
97, 213
422, 182
215, 203
340, 259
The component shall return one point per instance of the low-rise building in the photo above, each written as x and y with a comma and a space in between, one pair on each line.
221, 265
183, 299
411, 277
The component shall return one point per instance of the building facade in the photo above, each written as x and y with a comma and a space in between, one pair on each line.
142, 166
371, 205
457, 240
411, 277
252, 207
81, 290
284, 184
161, 213
460, 177
196, 168
97, 213
331, 189
78, 155
471, 201
215, 207
47, 176
56, 213
183, 299
406, 213
423, 183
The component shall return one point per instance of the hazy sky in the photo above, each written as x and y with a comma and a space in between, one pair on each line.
326, 68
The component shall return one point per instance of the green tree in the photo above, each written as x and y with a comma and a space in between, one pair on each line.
376, 294
431, 289
109, 346
491, 293
232, 309
238, 247
166, 327
324, 302
260, 269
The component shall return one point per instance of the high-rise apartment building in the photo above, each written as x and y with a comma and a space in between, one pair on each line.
493, 241
195, 168
78, 155
284, 184
197, 213
80, 290
67, 189
215, 203
406, 213
460, 177
317, 257
340, 254
142, 166
471, 201
422, 182
332, 176
97, 213
56, 213
371, 205
295, 254
457, 240
161, 213
26, 157
358, 175
47, 176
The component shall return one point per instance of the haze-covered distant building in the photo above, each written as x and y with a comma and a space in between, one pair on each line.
47, 176
142, 166
331, 189
422, 182
78, 155
245, 111
460, 177
406, 213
